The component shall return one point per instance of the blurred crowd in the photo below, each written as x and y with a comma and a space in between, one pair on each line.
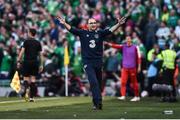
151, 24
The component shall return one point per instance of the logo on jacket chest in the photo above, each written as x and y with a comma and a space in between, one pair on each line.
96, 36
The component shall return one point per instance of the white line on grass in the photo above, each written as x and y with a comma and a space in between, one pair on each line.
38, 99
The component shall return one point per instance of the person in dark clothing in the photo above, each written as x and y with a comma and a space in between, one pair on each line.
92, 53
32, 63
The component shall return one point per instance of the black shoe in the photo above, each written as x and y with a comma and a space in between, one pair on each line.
100, 106
97, 107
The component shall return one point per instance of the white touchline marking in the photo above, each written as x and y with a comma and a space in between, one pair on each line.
38, 99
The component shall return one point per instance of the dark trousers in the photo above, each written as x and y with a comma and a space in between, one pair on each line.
94, 74
168, 78
151, 81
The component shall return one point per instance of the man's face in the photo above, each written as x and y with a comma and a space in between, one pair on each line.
92, 24
128, 40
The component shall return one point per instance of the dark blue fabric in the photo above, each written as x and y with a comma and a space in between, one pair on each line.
94, 73
91, 44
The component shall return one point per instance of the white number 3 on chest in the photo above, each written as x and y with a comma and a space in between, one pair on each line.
92, 44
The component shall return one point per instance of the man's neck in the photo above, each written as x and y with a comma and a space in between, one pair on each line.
129, 44
32, 37
90, 30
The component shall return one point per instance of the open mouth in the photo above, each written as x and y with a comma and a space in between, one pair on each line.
93, 27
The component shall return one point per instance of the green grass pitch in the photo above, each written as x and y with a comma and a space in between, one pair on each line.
81, 108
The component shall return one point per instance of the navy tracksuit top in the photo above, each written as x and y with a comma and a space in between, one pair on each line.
91, 44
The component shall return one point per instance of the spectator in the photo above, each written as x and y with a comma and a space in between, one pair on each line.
150, 31
163, 34
173, 19
177, 29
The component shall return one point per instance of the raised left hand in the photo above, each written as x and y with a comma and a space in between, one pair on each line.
121, 20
